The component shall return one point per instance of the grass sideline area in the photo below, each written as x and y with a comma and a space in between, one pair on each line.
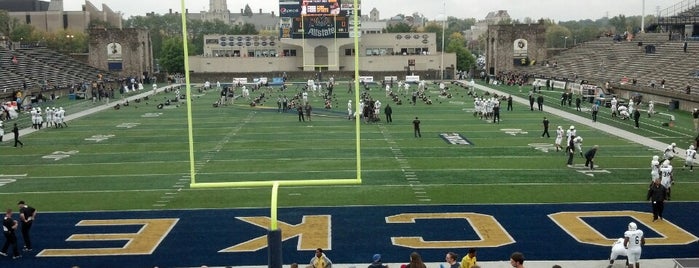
129, 158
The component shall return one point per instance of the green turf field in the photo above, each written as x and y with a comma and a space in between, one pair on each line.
137, 157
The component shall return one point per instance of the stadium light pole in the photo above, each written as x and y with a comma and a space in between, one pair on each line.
444, 22
643, 16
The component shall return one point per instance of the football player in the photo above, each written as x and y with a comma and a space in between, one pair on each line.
654, 169
691, 155
666, 176
669, 153
578, 144
633, 241
559, 138
618, 249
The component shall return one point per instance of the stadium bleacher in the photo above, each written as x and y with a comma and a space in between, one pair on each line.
39, 66
606, 60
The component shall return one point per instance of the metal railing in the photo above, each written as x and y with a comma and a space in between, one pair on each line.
678, 8
686, 11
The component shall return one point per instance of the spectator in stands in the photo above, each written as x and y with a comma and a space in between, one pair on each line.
451, 261
469, 261
688, 90
517, 260
684, 47
415, 261
320, 260
376, 262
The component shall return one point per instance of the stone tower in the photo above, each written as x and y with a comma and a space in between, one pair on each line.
218, 10
218, 6
374, 15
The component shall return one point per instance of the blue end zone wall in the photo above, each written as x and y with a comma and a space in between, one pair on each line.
356, 233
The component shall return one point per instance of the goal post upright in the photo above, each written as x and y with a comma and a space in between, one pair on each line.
190, 130
274, 234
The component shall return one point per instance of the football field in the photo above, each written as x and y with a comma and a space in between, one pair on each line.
134, 163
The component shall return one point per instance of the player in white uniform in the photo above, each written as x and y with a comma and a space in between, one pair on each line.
578, 144
39, 118
570, 134
559, 138
618, 249
360, 111
246, 92
349, 110
58, 118
2, 131
691, 155
654, 169
614, 106
304, 96
631, 106
33, 115
651, 108
50, 114
633, 241
377, 109
624, 113
666, 176
669, 152
476, 107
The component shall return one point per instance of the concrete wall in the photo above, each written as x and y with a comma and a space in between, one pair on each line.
137, 52
198, 64
500, 42
330, 53
687, 102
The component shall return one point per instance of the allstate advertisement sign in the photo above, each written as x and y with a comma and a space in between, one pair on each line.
319, 27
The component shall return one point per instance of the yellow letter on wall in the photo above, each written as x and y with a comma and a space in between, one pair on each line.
142, 242
574, 223
313, 232
489, 230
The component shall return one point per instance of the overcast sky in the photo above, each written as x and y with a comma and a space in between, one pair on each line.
559, 10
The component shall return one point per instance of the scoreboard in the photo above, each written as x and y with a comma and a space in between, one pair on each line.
320, 7
314, 19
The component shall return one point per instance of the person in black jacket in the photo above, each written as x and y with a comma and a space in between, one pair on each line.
9, 225
15, 130
540, 102
590, 157
27, 215
388, 111
657, 194
636, 117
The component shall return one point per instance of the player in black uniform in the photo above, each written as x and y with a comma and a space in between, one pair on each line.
9, 225
27, 215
